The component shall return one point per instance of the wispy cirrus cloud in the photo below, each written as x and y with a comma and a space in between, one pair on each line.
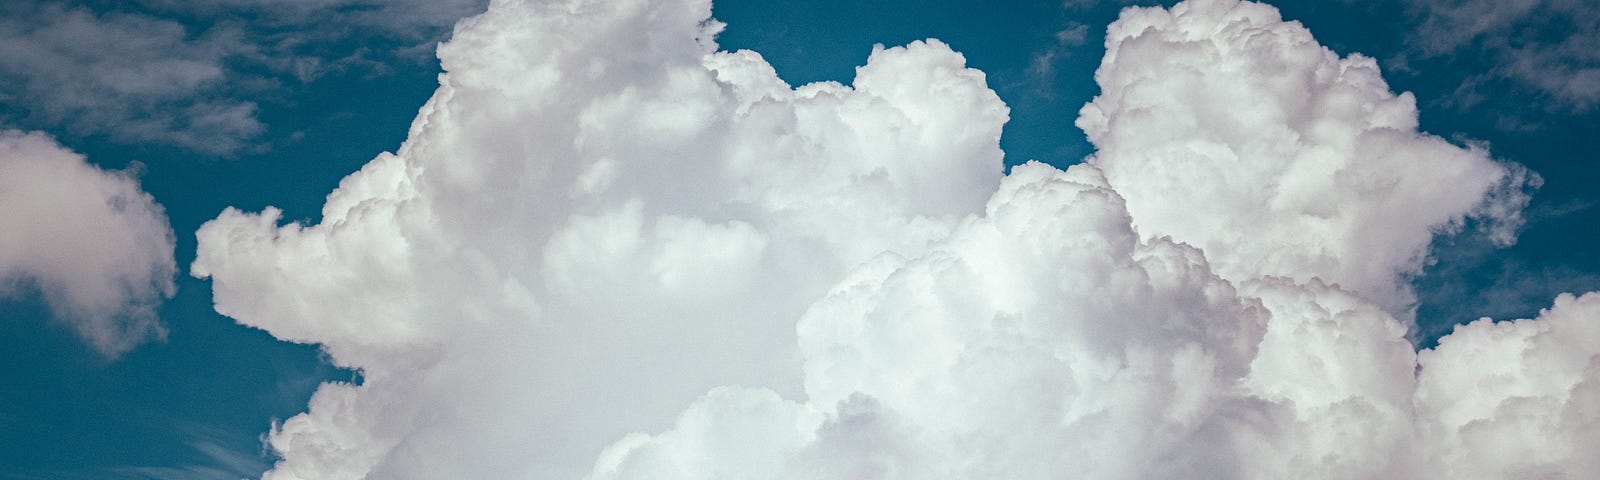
1549, 48
193, 74
131, 77
219, 463
1042, 64
212, 459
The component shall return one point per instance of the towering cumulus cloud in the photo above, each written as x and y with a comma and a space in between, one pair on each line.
97, 247
596, 219
1233, 131
609, 251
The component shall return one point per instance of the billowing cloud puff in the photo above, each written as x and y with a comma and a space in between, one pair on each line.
1234, 131
598, 203
982, 359
609, 250
97, 247
1517, 399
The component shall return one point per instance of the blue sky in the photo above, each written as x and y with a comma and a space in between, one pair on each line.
321, 101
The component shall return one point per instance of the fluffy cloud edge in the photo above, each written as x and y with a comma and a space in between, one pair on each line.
91, 241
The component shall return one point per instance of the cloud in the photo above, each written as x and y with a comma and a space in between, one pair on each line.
133, 77
625, 254
1041, 67
645, 234
214, 460
313, 37
406, 18
1467, 280
98, 248
1279, 158
1550, 48
188, 74
1040, 340
1517, 399
213, 456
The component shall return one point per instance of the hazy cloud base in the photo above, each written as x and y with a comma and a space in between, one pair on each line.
609, 250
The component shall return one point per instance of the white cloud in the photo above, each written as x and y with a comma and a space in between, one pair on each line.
618, 215
1517, 399
598, 219
1233, 131
1041, 340
96, 246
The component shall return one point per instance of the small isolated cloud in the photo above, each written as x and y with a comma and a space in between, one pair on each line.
625, 254
98, 248
1041, 68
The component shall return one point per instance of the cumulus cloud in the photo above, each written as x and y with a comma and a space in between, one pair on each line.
98, 248
981, 358
1237, 133
1517, 399
608, 250
626, 241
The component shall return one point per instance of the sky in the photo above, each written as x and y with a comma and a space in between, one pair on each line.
245, 239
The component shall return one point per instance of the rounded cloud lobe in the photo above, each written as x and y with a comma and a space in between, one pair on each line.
1236, 132
96, 246
601, 226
